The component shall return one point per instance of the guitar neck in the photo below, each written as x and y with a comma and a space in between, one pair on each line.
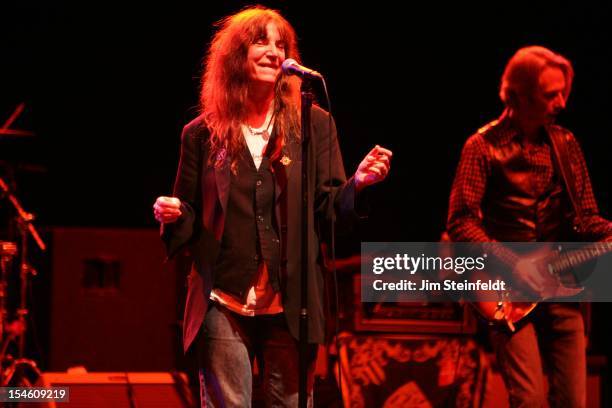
570, 259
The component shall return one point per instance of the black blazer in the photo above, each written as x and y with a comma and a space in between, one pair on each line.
203, 190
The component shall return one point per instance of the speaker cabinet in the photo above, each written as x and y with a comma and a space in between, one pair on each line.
113, 301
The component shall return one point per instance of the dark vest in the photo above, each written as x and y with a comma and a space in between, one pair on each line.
513, 209
249, 235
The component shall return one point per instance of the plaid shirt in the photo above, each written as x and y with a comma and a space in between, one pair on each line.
465, 221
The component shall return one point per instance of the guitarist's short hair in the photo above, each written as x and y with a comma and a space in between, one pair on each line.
523, 70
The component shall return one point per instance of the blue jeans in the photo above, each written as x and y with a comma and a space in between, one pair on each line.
231, 341
553, 338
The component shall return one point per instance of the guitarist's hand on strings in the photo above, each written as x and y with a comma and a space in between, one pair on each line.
529, 275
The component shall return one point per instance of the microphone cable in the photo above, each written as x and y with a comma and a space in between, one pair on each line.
332, 240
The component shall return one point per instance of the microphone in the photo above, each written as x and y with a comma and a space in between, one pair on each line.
291, 67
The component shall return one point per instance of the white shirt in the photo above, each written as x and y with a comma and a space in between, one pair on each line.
257, 138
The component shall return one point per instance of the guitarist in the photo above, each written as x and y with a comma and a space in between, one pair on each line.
523, 178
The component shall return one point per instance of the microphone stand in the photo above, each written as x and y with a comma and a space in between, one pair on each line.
306, 101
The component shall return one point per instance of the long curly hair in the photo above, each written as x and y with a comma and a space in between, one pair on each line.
225, 82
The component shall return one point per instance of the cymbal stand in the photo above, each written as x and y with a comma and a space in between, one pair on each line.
26, 227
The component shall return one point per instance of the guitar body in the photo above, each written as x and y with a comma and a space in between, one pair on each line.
508, 312
504, 312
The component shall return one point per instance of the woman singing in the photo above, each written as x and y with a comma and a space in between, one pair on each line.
237, 207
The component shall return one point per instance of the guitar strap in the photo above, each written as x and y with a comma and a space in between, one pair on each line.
560, 149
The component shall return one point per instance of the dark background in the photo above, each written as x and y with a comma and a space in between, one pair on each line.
109, 85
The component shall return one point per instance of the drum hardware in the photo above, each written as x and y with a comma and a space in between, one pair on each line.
16, 371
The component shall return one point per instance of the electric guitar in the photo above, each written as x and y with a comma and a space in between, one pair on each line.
555, 267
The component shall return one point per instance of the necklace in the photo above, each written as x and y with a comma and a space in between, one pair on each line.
262, 131
257, 139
